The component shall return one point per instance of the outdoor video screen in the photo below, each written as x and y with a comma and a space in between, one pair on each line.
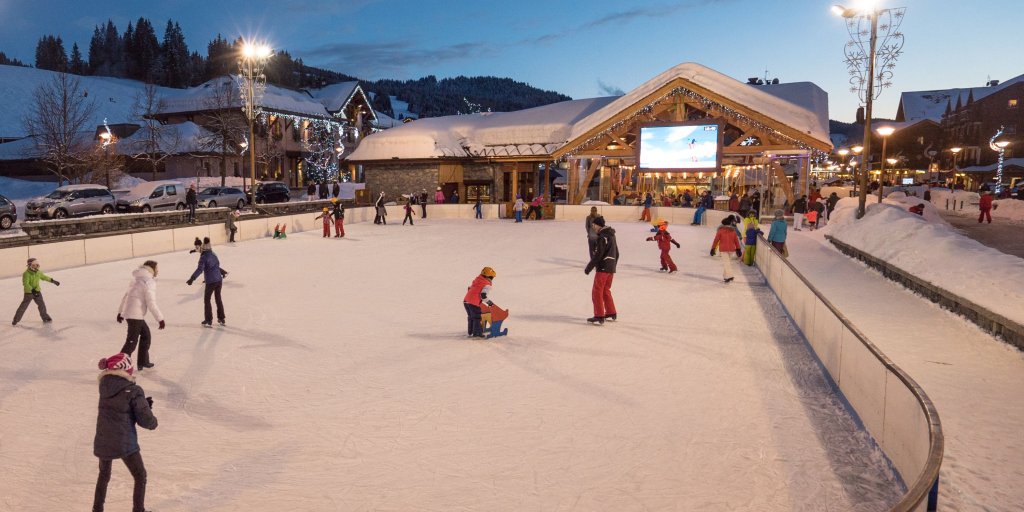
686, 147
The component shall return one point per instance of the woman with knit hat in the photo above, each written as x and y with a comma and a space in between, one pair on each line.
123, 404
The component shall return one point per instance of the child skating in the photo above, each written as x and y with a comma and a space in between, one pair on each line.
409, 212
750, 239
664, 239
30, 280
727, 244
326, 216
476, 297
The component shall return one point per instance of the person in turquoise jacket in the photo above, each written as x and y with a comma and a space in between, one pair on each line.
30, 280
777, 233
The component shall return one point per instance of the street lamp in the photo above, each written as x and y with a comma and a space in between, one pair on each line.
885, 132
956, 151
842, 153
108, 138
856, 176
860, 21
999, 146
251, 62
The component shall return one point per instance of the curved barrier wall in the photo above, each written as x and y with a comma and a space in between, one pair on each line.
892, 407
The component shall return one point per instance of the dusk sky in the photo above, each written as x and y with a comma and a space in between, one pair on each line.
579, 48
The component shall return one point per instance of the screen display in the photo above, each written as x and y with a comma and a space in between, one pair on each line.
908, 181
679, 147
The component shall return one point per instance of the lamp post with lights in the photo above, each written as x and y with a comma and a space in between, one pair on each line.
856, 162
1000, 147
885, 132
956, 151
251, 62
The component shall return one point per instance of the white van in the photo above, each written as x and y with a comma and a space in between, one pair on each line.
153, 195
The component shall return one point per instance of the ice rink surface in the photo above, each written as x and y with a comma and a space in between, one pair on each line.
344, 381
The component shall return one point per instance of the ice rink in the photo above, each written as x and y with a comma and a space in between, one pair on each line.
344, 381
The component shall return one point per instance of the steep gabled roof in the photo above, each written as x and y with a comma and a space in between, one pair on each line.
918, 105
336, 97
274, 99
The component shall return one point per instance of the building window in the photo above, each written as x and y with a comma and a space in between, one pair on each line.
1012, 103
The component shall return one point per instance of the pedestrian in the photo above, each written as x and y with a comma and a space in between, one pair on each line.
191, 200
30, 283
209, 267
517, 208
326, 216
423, 204
476, 295
734, 202
777, 233
985, 205
744, 207
799, 210
335, 190
438, 196
819, 208
478, 208
812, 219
604, 260
664, 239
536, 207
122, 406
727, 245
230, 225
339, 218
645, 214
323, 190
409, 211
830, 204
139, 299
927, 194
455, 196
750, 240
591, 233
380, 210
311, 191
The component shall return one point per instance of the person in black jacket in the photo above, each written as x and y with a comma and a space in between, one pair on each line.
605, 257
335, 190
324, 191
830, 204
339, 218
311, 191
799, 209
123, 404
191, 201
423, 204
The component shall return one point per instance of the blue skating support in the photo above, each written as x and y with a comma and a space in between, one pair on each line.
496, 330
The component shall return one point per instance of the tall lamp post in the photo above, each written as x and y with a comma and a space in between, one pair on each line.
857, 161
952, 181
1000, 147
861, 57
885, 132
251, 62
108, 138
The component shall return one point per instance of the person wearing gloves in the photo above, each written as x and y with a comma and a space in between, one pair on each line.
326, 216
777, 233
137, 301
339, 218
727, 244
30, 282
475, 296
604, 260
123, 405
209, 267
198, 247
665, 242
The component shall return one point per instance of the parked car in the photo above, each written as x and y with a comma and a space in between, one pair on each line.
212, 197
272, 192
70, 201
8, 213
153, 195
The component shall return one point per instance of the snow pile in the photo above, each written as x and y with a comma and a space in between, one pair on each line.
930, 249
1002, 209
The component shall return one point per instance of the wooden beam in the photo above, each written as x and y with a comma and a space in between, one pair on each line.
748, 150
783, 181
595, 164
617, 153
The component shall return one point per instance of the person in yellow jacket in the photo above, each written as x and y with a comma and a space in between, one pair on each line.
30, 280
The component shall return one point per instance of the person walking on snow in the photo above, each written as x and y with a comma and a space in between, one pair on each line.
122, 406
517, 208
830, 204
591, 233
326, 216
664, 238
727, 244
799, 210
230, 225
137, 301
645, 215
191, 201
476, 295
209, 267
985, 206
604, 260
409, 212
339, 218
30, 283
777, 233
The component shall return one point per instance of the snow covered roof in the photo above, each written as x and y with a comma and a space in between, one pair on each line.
809, 116
335, 96
530, 132
274, 99
920, 105
1009, 162
177, 138
113, 97
25, 148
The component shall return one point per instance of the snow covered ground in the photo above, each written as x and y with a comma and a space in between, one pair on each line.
344, 381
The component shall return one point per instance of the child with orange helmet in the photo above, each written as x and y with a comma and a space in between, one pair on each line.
664, 238
326, 216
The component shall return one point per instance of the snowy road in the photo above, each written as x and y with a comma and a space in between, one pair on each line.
344, 381
974, 380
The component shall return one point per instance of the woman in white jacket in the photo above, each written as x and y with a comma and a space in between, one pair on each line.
138, 300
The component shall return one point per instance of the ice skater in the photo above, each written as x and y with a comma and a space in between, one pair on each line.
476, 296
665, 241
381, 210
409, 212
591, 233
209, 267
198, 247
123, 404
339, 218
478, 208
750, 240
137, 301
604, 260
326, 216
517, 208
30, 283
727, 244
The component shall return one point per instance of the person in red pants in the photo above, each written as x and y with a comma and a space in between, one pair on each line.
664, 238
326, 216
604, 259
339, 218
985, 205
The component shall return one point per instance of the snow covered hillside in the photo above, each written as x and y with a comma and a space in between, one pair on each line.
344, 381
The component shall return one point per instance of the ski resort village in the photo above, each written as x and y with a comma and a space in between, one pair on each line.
582, 256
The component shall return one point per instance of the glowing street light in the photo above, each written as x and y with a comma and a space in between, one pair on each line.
254, 57
885, 132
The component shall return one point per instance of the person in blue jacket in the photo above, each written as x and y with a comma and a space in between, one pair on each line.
777, 233
209, 267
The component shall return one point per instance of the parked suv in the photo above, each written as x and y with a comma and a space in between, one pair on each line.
272, 192
8, 213
70, 201
153, 195
212, 197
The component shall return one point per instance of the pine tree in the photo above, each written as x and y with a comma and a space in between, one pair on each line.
129, 51
220, 58
50, 54
175, 57
76, 65
145, 57
113, 48
96, 57
5, 60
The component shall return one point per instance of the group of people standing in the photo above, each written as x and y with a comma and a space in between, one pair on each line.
323, 190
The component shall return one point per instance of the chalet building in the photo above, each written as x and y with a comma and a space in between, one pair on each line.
587, 149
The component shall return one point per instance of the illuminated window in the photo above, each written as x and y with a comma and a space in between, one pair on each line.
1012, 103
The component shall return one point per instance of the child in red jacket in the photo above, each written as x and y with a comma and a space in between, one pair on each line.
326, 216
727, 243
664, 238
